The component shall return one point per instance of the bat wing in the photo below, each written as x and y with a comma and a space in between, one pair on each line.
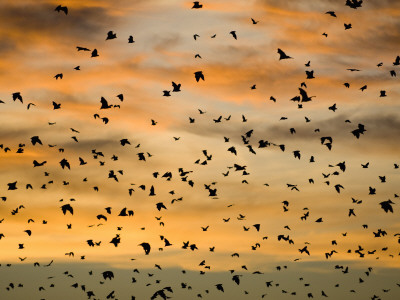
104, 103
303, 94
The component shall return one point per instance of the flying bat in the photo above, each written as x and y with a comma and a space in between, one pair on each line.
108, 274
60, 8
387, 205
233, 33
199, 75
160, 205
104, 103
64, 163
67, 207
282, 55
111, 35
197, 5
146, 247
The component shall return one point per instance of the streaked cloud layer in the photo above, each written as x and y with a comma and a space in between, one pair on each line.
297, 199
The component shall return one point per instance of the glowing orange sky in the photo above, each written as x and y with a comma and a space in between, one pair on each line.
38, 43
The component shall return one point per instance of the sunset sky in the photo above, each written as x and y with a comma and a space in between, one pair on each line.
241, 76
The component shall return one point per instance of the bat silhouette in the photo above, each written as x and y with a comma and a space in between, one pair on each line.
36, 140
232, 150
37, 164
338, 187
360, 130
304, 96
115, 240
64, 163
60, 8
108, 274
197, 4
254, 21
17, 96
82, 48
205, 228
282, 55
310, 74
12, 186
177, 87
332, 13
333, 107
220, 287
304, 250
199, 75
218, 120
387, 206
111, 35
120, 97
104, 103
146, 247
94, 53
152, 193
160, 205
326, 138
124, 142
354, 3
397, 61
67, 207
233, 33
236, 279
99, 217
56, 105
